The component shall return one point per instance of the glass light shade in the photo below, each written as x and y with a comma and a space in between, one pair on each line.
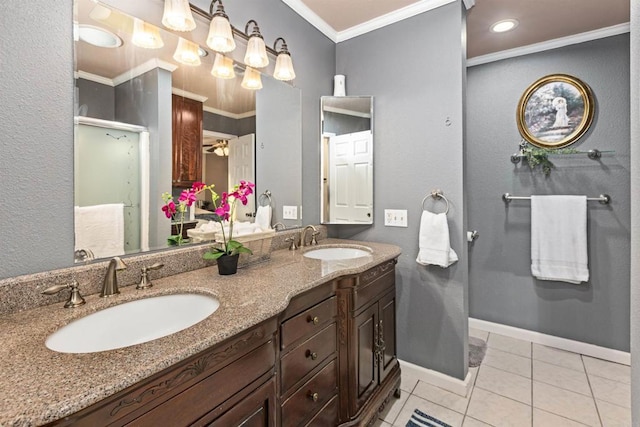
187, 53
284, 67
146, 35
219, 151
223, 67
220, 36
256, 55
177, 15
226, 151
251, 79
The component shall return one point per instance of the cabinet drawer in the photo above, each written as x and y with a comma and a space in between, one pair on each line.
327, 416
323, 386
372, 283
308, 322
302, 359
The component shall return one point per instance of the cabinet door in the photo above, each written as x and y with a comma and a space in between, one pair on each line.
364, 378
387, 325
256, 410
187, 141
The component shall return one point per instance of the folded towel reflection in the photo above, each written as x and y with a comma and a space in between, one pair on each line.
100, 229
263, 217
433, 241
239, 228
559, 238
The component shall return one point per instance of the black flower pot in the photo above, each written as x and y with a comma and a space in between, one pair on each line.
228, 264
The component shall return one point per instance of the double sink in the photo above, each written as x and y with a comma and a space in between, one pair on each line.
147, 319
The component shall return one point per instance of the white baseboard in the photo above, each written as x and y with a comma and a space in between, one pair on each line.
438, 379
587, 349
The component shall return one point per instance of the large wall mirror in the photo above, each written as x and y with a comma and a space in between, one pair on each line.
346, 159
150, 121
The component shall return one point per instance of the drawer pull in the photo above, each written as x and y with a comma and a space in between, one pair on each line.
315, 320
312, 355
314, 396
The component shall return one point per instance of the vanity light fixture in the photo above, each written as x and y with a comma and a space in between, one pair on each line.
256, 55
284, 66
177, 15
223, 67
187, 53
220, 36
146, 35
504, 25
220, 148
251, 79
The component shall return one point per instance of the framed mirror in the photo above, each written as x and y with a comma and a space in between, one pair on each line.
346, 156
555, 111
150, 121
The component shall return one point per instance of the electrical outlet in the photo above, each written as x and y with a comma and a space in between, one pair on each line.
395, 218
289, 212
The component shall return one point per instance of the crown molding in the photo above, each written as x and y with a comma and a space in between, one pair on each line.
391, 18
228, 114
93, 77
469, 3
551, 44
144, 68
312, 18
190, 95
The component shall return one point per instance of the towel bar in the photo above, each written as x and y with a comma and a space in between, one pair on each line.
436, 194
265, 195
604, 199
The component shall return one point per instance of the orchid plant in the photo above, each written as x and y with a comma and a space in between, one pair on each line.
225, 208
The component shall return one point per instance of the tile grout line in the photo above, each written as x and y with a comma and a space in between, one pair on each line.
531, 384
591, 388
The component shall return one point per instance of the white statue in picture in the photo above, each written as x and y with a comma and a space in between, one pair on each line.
560, 104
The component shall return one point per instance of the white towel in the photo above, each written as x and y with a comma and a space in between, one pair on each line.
559, 238
263, 217
433, 241
100, 228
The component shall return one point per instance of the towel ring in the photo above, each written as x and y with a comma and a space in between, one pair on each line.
436, 194
263, 196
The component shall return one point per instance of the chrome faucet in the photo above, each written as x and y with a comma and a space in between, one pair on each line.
110, 284
303, 236
279, 224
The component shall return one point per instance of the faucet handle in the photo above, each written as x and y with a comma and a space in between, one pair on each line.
145, 282
314, 241
75, 299
293, 246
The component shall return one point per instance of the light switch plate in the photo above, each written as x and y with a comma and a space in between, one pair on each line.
289, 212
395, 218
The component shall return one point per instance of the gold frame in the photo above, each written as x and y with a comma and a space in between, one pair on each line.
575, 132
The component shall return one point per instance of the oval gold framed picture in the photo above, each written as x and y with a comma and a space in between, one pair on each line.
555, 111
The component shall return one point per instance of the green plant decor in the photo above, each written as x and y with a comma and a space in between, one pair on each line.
540, 157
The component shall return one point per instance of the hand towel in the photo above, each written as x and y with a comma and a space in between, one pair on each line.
263, 217
433, 241
100, 228
559, 238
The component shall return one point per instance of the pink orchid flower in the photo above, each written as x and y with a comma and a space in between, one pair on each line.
169, 209
188, 197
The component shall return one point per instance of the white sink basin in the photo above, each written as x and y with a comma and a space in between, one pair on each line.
337, 254
134, 322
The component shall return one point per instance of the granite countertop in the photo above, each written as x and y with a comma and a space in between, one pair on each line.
39, 385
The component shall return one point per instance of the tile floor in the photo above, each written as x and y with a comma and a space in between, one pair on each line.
523, 384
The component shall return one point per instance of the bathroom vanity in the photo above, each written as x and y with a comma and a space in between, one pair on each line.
295, 342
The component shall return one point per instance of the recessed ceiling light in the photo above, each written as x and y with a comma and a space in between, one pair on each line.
98, 36
504, 25
202, 52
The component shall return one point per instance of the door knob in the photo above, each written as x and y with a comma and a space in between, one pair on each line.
472, 235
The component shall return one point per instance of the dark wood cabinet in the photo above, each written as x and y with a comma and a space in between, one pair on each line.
328, 360
370, 372
187, 141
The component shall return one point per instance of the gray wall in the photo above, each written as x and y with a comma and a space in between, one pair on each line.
98, 98
36, 142
238, 127
341, 124
37, 126
146, 101
501, 287
278, 148
635, 210
415, 152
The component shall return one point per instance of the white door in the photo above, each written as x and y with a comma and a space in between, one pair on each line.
242, 166
351, 177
